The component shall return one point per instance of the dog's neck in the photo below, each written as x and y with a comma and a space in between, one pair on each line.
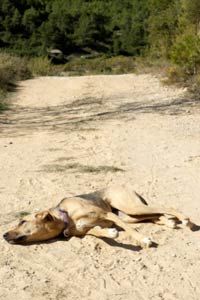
64, 217
61, 215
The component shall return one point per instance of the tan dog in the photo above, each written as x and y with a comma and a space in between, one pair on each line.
94, 214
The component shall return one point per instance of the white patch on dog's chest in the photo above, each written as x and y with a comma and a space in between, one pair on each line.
81, 224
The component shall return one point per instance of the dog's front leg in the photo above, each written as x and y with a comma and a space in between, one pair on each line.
143, 241
103, 232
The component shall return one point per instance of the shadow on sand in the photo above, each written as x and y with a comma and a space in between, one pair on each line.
80, 115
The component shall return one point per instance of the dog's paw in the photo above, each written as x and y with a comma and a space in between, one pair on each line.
146, 242
188, 223
171, 223
113, 233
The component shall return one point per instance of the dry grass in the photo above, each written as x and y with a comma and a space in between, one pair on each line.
76, 167
22, 214
12, 69
40, 66
100, 65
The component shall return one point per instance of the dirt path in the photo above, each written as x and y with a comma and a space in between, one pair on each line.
66, 136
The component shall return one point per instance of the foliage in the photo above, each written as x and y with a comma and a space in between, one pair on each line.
129, 27
186, 53
12, 69
191, 13
40, 66
30, 27
159, 30
101, 65
162, 26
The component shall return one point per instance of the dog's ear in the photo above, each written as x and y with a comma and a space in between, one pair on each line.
45, 216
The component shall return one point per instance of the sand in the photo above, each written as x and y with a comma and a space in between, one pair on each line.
70, 135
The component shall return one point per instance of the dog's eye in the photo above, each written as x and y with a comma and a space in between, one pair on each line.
22, 222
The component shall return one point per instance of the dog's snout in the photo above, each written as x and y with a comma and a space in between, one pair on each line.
14, 238
5, 236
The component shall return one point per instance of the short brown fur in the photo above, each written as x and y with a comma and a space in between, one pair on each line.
94, 214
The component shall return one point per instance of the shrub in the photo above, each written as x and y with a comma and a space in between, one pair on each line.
175, 74
101, 65
12, 69
186, 53
40, 66
194, 87
3, 106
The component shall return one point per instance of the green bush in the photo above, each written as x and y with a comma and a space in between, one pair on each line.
186, 53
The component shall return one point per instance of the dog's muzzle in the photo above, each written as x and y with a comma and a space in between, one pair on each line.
14, 240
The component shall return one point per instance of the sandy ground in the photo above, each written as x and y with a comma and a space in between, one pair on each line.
70, 135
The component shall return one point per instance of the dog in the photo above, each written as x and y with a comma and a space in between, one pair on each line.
95, 214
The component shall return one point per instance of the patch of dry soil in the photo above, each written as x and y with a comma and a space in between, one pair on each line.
70, 135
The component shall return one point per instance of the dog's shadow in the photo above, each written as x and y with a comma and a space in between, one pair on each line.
115, 243
195, 227
111, 242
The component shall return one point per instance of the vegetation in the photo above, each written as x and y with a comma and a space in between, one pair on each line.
12, 69
32, 26
74, 167
100, 65
160, 30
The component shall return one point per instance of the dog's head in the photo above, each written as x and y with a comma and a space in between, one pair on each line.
40, 227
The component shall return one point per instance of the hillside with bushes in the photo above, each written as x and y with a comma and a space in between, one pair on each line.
165, 30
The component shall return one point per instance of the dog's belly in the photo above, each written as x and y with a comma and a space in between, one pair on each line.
85, 224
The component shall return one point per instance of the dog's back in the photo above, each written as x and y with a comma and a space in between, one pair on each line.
109, 199
96, 198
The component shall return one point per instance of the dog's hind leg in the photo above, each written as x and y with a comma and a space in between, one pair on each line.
143, 210
139, 238
167, 221
134, 205
148, 210
134, 220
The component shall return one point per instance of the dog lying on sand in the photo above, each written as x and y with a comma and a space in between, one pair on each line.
95, 214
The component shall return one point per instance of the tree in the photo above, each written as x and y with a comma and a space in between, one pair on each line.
162, 25
190, 16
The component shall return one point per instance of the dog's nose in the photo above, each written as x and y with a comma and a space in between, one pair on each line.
5, 236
